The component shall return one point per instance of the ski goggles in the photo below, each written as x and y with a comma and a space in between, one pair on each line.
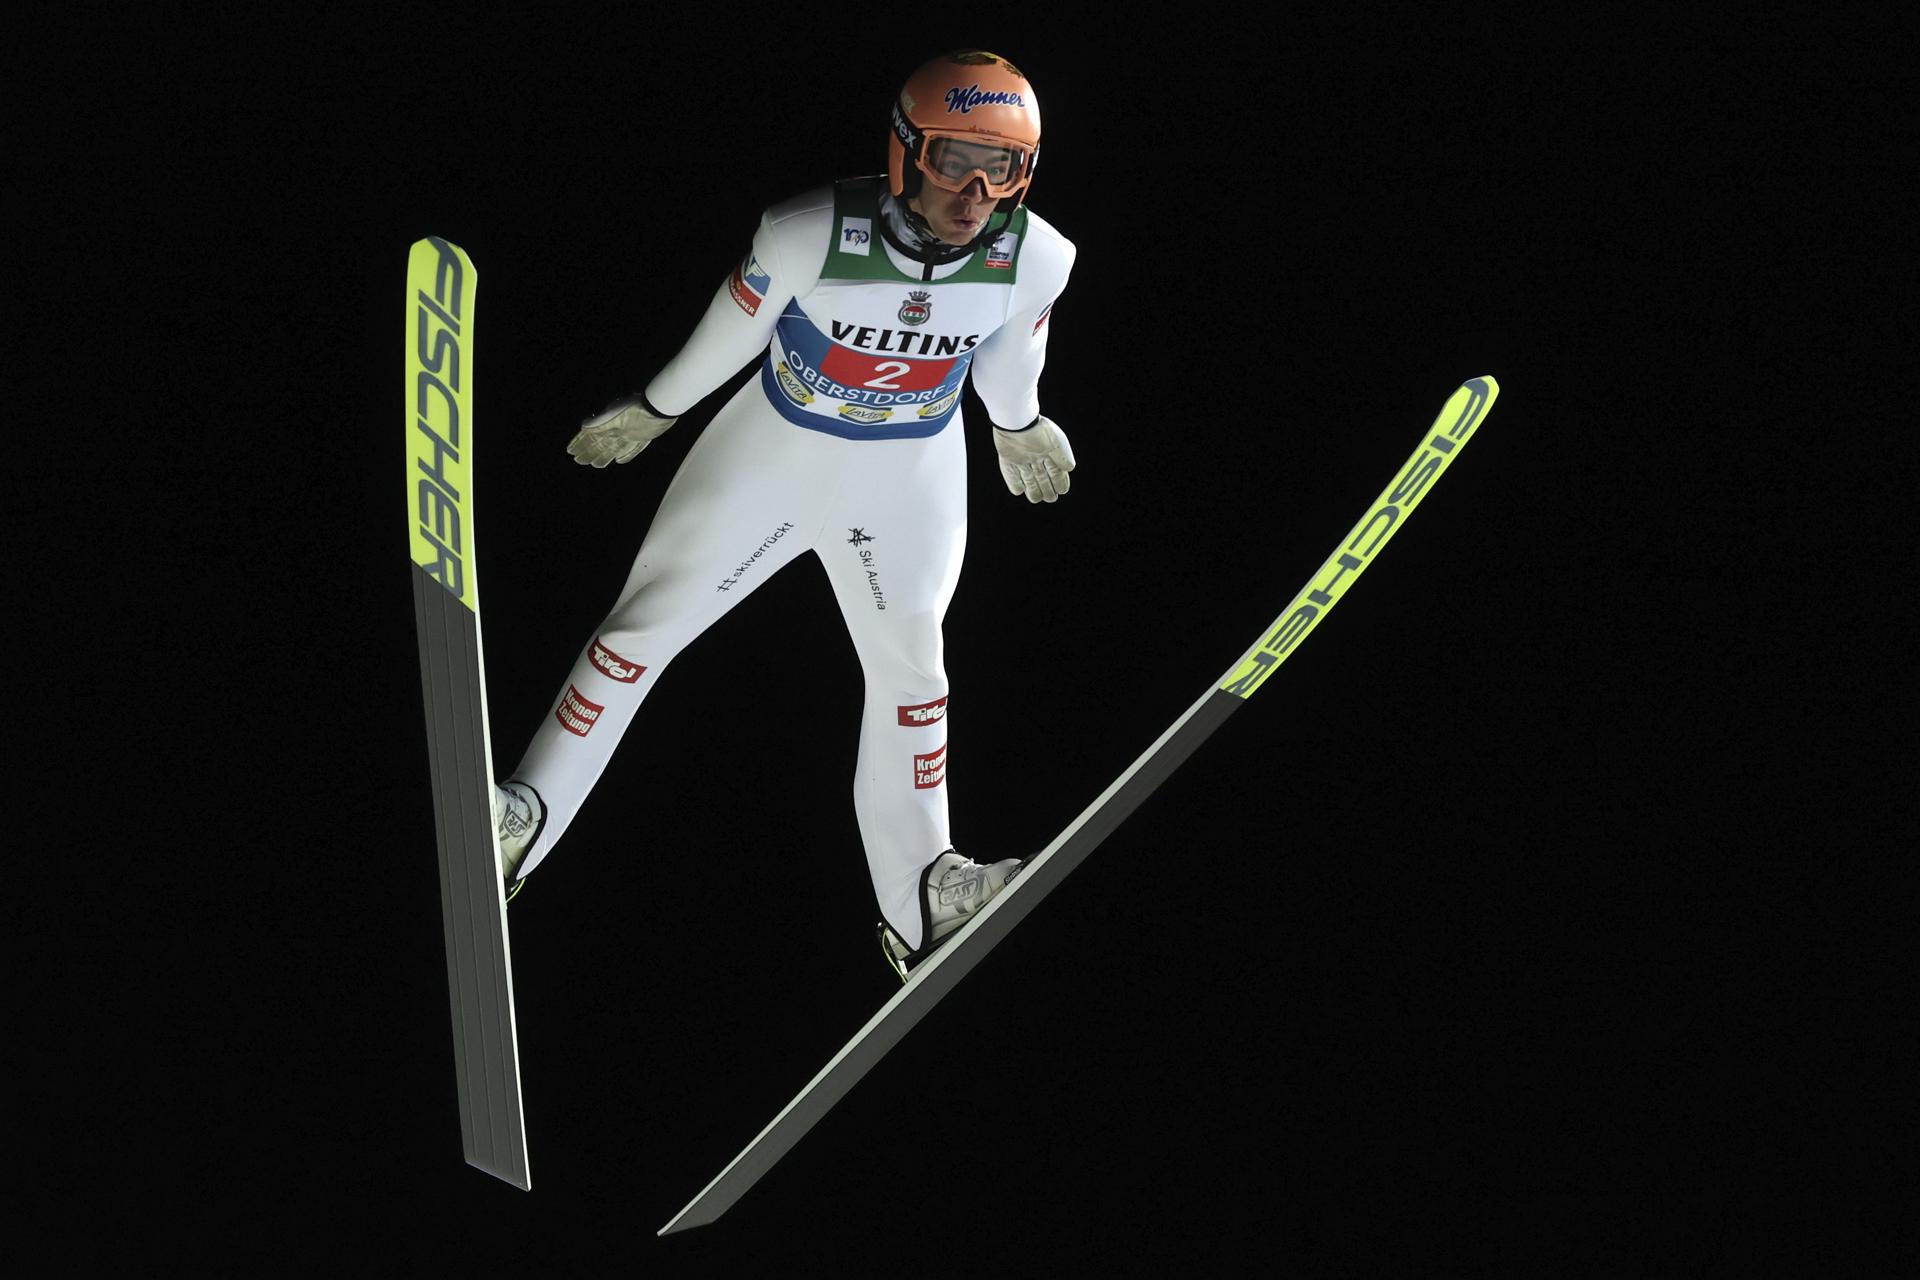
954, 162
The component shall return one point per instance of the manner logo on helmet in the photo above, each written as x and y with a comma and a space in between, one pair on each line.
965, 100
613, 666
576, 714
926, 713
929, 770
748, 284
855, 235
918, 308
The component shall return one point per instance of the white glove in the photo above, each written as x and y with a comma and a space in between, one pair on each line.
1035, 460
618, 434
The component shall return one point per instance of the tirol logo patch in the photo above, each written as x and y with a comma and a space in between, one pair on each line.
1000, 253
613, 666
929, 771
855, 235
918, 308
926, 713
577, 714
749, 284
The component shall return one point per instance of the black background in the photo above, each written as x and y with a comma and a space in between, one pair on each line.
1496, 933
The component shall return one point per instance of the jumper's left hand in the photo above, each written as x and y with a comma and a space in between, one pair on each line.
1035, 460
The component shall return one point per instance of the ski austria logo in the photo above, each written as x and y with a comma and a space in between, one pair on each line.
918, 308
615, 667
965, 100
576, 714
925, 714
930, 770
748, 284
855, 235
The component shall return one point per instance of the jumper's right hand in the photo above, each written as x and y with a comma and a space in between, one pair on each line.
1035, 459
618, 434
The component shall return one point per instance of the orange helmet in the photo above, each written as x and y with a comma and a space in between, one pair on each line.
965, 115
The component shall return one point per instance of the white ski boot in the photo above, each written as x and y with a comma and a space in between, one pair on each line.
518, 816
955, 889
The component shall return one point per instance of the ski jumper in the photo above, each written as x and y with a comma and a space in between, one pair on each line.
848, 444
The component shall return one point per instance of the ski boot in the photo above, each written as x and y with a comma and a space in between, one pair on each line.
955, 889
518, 816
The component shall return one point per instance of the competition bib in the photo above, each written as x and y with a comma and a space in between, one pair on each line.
872, 353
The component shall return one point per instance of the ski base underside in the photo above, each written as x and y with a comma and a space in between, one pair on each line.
472, 900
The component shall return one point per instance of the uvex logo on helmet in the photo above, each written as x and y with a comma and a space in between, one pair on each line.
965, 100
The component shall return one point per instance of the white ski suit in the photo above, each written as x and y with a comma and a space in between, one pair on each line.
848, 444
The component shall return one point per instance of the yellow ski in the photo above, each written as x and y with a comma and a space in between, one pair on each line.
446, 598
938, 974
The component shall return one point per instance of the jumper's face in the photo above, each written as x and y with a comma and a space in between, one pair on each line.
955, 216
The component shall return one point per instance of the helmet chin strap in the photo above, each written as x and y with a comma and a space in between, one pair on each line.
925, 245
